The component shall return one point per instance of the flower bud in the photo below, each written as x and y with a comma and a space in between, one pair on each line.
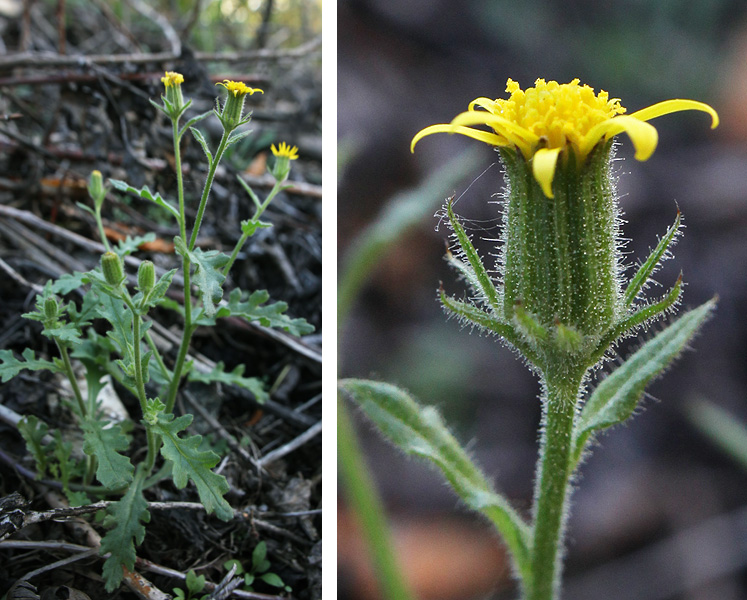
284, 153
233, 108
96, 188
172, 81
111, 266
146, 276
51, 308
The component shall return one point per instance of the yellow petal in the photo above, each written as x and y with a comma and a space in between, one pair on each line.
671, 106
643, 135
482, 136
516, 134
543, 168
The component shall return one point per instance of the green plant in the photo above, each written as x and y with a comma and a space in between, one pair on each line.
260, 569
556, 296
128, 353
194, 584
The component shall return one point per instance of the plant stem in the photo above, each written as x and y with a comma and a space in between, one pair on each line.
245, 236
71, 377
187, 333
208, 185
364, 501
553, 485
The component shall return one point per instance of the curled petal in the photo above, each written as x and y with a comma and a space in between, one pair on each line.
517, 135
643, 135
543, 168
482, 102
670, 106
482, 136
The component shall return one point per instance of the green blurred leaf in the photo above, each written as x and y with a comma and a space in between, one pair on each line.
129, 245
420, 431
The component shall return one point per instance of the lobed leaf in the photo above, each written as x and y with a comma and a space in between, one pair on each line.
207, 275
235, 377
129, 245
127, 516
420, 431
33, 431
113, 469
10, 366
617, 396
189, 462
146, 194
254, 308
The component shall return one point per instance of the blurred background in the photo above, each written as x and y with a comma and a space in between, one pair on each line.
660, 512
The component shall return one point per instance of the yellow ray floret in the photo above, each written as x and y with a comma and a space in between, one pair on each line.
286, 150
549, 119
238, 88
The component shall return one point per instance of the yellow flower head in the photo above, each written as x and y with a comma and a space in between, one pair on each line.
172, 78
238, 88
283, 149
550, 118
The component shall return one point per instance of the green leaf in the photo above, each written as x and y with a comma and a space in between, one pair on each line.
722, 427
420, 431
270, 315
33, 430
127, 516
189, 462
113, 470
648, 268
485, 287
272, 579
10, 366
617, 396
250, 226
201, 139
236, 137
66, 333
129, 245
258, 556
228, 565
235, 377
207, 275
146, 194
195, 584
69, 282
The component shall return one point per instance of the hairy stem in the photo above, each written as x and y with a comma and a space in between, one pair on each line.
553, 485
245, 236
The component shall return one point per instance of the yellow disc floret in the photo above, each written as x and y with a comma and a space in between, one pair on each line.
171, 78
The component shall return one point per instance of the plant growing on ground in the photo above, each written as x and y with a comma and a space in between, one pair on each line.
556, 296
260, 570
129, 354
